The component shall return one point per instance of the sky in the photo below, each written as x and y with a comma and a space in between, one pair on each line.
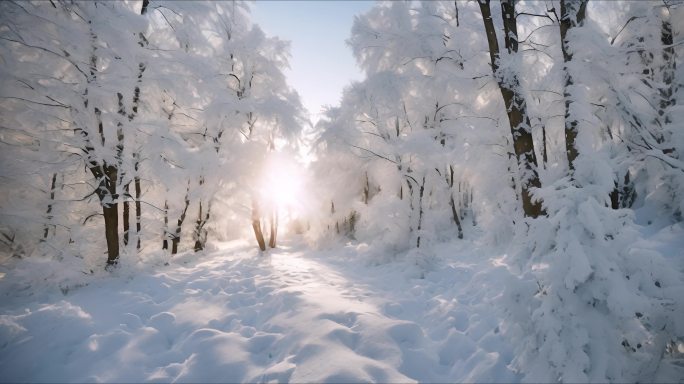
321, 64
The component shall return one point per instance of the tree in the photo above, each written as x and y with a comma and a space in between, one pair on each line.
572, 16
223, 123
414, 118
519, 121
73, 36
106, 92
582, 310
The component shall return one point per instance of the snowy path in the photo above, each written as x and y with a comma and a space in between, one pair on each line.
236, 316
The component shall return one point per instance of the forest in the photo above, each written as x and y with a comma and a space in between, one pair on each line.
516, 163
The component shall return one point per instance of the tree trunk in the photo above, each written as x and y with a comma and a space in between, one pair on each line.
667, 91
572, 16
106, 175
454, 211
421, 191
177, 235
454, 214
126, 214
111, 218
366, 190
256, 225
165, 240
274, 229
456, 12
119, 161
545, 157
516, 107
48, 215
202, 219
200, 231
138, 207
623, 195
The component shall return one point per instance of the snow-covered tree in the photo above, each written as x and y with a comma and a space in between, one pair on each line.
584, 310
163, 104
589, 88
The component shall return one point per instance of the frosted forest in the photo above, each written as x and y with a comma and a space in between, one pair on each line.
499, 199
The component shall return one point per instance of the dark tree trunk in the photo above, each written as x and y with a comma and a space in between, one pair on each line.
421, 191
200, 231
111, 215
138, 206
454, 214
177, 235
516, 107
165, 240
126, 214
120, 173
456, 12
131, 116
545, 157
111, 218
136, 157
452, 202
145, 4
120, 144
572, 16
106, 192
105, 174
667, 91
48, 215
623, 195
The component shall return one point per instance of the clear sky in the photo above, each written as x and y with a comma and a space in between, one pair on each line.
321, 63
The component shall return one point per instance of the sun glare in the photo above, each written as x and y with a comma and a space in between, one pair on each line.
282, 187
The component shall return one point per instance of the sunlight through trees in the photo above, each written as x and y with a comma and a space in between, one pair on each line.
549, 135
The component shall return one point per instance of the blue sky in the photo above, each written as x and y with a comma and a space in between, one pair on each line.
321, 63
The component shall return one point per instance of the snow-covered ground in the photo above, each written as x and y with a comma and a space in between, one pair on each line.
288, 315
234, 315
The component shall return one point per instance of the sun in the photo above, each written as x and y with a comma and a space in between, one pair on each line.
285, 188
282, 186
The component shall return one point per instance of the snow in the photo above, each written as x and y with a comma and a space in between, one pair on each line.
187, 104
237, 315
292, 314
